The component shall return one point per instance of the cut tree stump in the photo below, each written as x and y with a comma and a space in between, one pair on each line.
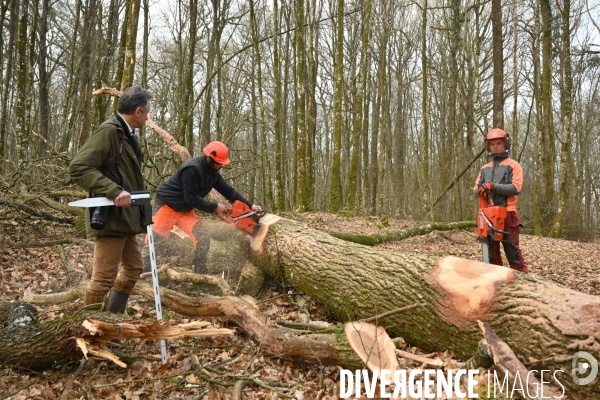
373, 346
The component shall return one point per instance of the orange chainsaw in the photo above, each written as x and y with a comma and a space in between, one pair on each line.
244, 218
490, 223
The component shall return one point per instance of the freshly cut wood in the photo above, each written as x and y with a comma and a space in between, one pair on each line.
542, 322
373, 345
100, 333
60, 341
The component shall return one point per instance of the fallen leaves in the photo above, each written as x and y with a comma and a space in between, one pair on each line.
48, 269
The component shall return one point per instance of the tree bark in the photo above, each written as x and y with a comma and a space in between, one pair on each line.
353, 192
21, 128
132, 28
548, 150
566, 106
8, 75
425, 105
43, 76
542, 322
338, 86
87, 55
498, 95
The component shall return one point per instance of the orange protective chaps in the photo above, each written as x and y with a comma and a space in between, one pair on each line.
165, 218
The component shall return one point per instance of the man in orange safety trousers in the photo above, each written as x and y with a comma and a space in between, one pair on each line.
185, 190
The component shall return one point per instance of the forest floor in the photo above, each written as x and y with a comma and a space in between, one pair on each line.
227, 359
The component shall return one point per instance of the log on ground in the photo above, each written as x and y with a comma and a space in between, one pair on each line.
542, 322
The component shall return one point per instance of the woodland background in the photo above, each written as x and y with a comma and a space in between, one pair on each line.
372, 110
369, 107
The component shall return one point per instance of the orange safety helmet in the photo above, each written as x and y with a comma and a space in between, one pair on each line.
218, 152
494, 134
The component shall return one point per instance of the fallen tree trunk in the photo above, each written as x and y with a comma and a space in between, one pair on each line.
372, 240
64, 340
37, 213
44, 345
544, 323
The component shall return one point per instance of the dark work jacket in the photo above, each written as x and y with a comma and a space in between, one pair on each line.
94, 168
186, 188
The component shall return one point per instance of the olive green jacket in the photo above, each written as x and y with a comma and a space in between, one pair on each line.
94, 168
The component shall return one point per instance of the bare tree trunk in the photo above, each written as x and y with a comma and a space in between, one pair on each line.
548, 155
359, 131
400, 138
425, 105
21, 128
305, 197
107, 51
144, 81
213, 42
263, 128
312, 65
43, 76
539, 125
85, 92
451, 128
278, 126
130, 46
187, 120
338, 87
498, 56
121, 52
566, 100
252, 178
11, 50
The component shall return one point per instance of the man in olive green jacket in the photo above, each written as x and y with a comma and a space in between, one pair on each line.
108, 164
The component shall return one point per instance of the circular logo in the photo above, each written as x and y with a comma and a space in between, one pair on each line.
582, 363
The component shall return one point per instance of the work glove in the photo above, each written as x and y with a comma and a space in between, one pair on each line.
485, 187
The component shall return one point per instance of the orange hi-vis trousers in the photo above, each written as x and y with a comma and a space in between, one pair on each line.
166, 218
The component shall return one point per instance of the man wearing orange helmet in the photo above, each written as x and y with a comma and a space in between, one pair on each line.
185, 190
503, 179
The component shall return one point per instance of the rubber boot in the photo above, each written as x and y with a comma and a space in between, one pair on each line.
117, 302
118, 296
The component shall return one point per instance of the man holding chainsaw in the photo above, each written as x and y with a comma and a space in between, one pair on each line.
185, 190
108, 164
499, 182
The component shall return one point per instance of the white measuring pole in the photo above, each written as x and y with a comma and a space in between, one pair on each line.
159, 316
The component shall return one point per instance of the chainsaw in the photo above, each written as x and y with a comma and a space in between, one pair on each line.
490, 223
244, 218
